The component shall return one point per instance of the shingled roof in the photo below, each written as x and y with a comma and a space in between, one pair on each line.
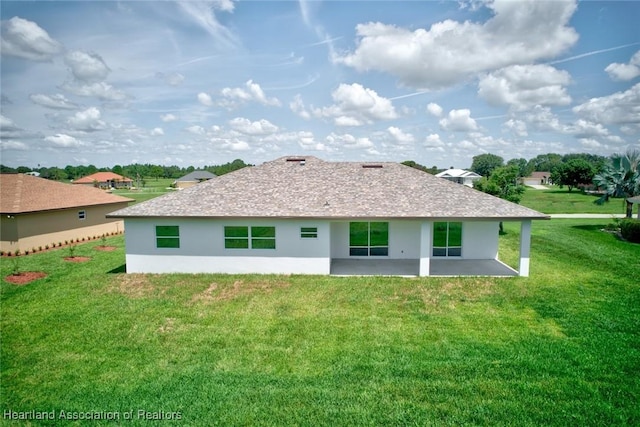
196, 176
101, 177
307, 187
20, 193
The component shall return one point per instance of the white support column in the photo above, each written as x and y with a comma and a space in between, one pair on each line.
525, 247
425, 248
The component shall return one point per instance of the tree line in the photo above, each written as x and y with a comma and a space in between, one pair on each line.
133, 171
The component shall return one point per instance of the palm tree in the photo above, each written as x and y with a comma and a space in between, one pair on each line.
620, 178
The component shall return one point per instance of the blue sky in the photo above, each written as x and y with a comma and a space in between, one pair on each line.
205, 82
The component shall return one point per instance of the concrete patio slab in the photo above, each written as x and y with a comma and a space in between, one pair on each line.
411, 267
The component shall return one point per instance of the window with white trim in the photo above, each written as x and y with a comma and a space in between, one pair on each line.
82, 215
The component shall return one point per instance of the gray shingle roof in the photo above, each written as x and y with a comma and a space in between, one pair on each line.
196, 176
286, 188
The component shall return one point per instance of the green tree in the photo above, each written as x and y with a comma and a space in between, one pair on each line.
522, 165
573, 173
484, 164
620, 178
502, 183
545, 162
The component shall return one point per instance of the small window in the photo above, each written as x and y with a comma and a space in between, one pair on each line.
309, 232
82, 214
167, 236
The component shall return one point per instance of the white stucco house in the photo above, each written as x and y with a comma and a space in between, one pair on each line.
459, 176
303, 215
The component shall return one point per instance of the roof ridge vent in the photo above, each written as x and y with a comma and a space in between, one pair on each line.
370, 166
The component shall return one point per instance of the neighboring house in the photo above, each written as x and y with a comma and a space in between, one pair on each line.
303, 215
105, 180
193, 178
37, 212
537, 178
459, 176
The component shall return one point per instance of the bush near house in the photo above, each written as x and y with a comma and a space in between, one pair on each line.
630, 230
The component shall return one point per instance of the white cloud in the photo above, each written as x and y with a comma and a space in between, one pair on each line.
87, 120
260, 127
450, 52
56, 102
63, 141
584, 128
172, 79
202, 13
459, 121
25, 39
196, 130
399, 136
434, 109
205, 99
251, 92
10, 144
517, 127
237, 145
168, 118
524, 86
349, 141
356, 105
101, 90
87, 67
624, 72
307, 141
297, 106
6, 124
541, 118
433, 141
620, 107
157, 132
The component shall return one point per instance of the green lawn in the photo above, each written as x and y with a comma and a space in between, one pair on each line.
559, 348
556, 200
153, 188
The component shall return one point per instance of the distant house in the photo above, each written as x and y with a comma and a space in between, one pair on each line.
459, 176
193, 178
105, 180
303, 215
37, 212
537, 178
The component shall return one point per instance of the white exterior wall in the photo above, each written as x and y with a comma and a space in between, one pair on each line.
202, 248
480, 240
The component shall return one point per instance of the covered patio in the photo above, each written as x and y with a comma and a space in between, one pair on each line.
411, 267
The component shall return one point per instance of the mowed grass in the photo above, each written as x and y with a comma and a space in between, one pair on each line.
561, 347
153, 188
556, 200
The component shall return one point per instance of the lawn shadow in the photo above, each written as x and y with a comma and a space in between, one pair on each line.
120, 269
591, 227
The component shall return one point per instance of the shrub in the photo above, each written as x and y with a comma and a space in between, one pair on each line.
46, 246
17, 252
630, 230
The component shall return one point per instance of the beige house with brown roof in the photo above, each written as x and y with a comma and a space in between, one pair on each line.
303, 215
37, 212
105, 180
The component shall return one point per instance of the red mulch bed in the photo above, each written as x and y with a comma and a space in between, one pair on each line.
77, 258
24, 277
106, 248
